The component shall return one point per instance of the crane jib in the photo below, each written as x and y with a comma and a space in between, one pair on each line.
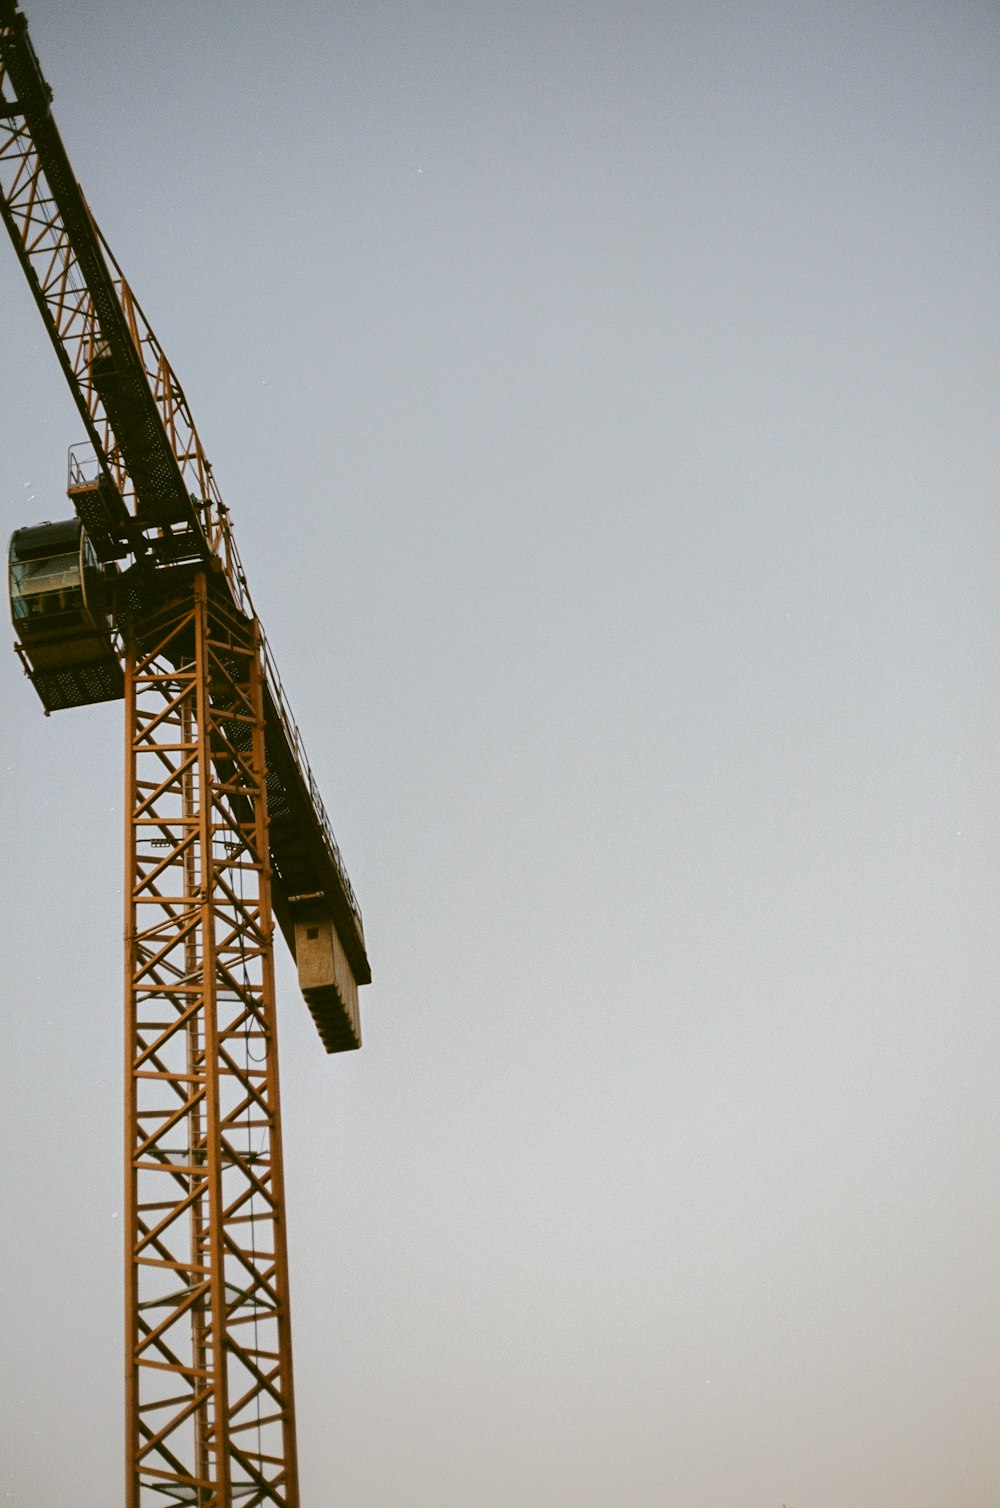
114, 367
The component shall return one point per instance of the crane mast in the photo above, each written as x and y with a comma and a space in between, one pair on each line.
142, 596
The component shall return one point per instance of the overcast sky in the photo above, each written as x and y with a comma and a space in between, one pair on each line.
605, 394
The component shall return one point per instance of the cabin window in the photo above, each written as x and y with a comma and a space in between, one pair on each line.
41, 588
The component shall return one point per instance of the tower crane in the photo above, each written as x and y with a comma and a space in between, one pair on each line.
140, 596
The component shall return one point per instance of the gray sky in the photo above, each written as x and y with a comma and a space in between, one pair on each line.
606, 398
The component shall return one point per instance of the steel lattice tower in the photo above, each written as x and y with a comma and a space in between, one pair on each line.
209, 1409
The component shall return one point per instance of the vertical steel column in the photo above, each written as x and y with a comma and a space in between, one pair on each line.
210, 1412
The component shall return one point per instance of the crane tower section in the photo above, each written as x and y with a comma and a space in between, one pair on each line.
209, 1383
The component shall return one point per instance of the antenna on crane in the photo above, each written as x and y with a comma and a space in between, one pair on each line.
141, 597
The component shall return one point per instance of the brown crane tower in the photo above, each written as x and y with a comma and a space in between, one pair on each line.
140, 596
